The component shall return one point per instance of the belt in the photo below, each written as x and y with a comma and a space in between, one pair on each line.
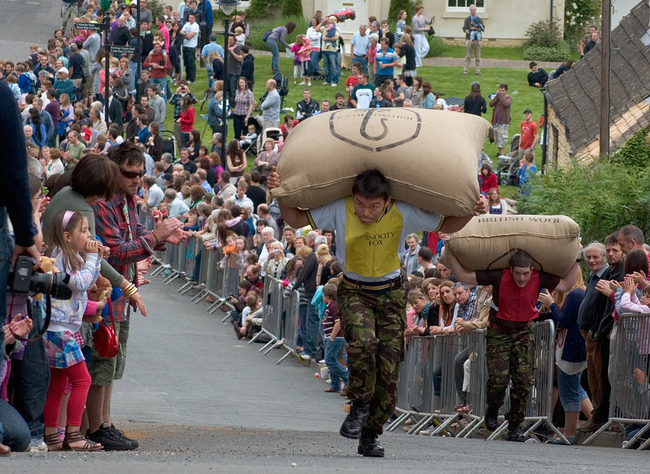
359, 55
505, 330
375, 287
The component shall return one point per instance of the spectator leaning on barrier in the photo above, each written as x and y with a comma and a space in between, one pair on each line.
510, 338
592, 307
117, 225
370, 294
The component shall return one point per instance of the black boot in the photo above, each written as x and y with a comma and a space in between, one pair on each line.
515, 435
369, 446
491, 419
354, 422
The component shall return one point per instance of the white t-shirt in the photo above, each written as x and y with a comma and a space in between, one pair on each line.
156, 195
333, 216
191, 28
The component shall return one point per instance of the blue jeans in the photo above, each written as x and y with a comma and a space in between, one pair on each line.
570, 390
302, 325
13, 429
331, 66
275, 60
31, 380
162, 83
362, 60
312, 323
338, 372
315, 59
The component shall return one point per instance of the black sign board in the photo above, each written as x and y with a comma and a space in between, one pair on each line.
92, 26
119, 50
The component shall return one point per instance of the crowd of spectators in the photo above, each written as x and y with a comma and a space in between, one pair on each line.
99, 171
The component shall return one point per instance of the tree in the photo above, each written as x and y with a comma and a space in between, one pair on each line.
396, 6
292, 8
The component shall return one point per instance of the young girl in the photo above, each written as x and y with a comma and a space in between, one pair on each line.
295, 48
305, 60
69, 242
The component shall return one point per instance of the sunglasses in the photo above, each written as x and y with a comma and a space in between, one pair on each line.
132, 174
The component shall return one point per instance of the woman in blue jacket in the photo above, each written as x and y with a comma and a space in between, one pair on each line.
570, 355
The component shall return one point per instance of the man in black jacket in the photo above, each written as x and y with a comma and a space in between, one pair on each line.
115, 113
597, 337
15, 201
306, 107
248, 66
537, 77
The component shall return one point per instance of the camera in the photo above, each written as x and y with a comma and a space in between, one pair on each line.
24, 280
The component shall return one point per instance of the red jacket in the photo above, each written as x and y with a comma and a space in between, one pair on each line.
162, 59
487, 183
187, 120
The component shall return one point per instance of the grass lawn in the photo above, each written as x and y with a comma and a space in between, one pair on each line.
446, 80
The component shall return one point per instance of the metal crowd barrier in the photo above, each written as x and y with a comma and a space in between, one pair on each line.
272, 310
539, 406
630, 396
427, 355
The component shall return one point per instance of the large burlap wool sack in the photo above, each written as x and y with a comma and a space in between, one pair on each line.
429, 156
487, 242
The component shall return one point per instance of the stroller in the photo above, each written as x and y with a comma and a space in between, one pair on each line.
270, 132
254, 147
169, 143
509, 164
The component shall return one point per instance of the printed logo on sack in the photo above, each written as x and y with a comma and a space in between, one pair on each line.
376, 129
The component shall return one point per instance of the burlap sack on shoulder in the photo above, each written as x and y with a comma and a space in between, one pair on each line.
429, 156
487, 242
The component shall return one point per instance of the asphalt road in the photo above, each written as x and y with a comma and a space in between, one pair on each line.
199, 400
24, 22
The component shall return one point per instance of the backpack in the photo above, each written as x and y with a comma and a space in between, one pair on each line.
266, 35
282, 84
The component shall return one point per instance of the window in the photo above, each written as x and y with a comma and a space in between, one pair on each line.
464, 4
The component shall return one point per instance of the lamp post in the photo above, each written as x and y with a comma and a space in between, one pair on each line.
227, 6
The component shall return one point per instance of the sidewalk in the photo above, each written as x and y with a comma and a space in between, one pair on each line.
460, 62
505, 63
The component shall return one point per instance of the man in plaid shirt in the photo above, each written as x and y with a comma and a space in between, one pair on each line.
118, 226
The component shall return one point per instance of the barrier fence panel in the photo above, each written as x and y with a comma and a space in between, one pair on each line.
193, 247
271, 312
539, 406
290, 317
444, 405
630, 395
477, 382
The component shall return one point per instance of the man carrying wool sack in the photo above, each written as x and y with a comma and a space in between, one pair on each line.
510, 339
370, 230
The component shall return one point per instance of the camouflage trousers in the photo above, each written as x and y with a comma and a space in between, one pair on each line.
510, 356
373, 326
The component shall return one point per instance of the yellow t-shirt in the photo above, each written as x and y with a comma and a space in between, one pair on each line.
372, 252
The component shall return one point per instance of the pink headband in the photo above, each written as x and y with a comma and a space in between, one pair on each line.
66, 218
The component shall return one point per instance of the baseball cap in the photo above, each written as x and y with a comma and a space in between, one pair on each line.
528, 111
168, 177
64, 69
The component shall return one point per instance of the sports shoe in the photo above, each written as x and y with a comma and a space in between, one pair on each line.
304, 356
336, 85
354, 422
120, 434
325, 83
515, 435
309, 84
302, 83
322, 361
37, 445
109, 440
491, 419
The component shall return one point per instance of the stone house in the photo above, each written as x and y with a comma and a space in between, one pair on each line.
503, 18
574, 98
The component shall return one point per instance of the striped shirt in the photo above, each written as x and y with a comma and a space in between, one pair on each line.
385, 58
330, 317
